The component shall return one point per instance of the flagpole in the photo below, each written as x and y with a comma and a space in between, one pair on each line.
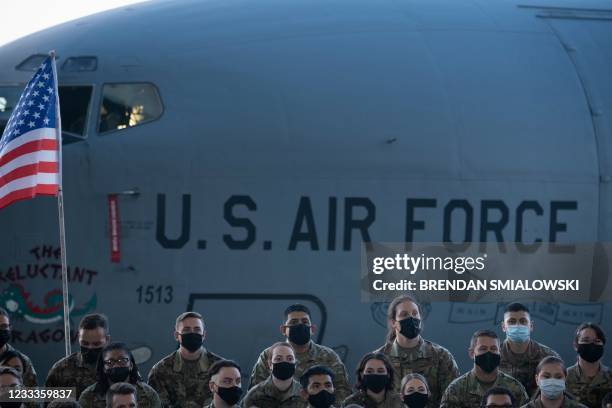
60, 207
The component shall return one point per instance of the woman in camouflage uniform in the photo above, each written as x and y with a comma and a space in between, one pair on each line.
374, 384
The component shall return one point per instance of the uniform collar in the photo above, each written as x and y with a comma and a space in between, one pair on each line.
600, 377
473, 380
270, 389
421, 350
179, 362
531, 352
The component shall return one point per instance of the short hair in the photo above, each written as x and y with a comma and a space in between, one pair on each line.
297, 307
516, 307
361, 366
187, 315
606, 400
590, 325
93, 321
482, 333
4, 312
315, 370
64, 404
120, 388
102, 384
11, 371
9, 354
279, 344
496, 391
219, 364
412, 376
550, 360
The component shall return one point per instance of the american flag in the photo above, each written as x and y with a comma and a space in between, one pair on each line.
29, 146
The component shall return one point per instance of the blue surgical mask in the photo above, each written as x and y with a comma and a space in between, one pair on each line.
552, 387
517, 333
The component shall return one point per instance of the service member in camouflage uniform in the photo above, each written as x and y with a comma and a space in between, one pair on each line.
79, 369
550, 378
28, 374
375, 382
409, 352
318, 387
298, 328
589, 380
280, 389
520, 354
468, 390
607, 401
10, 379
181, 378
116, 364
497, 397
120, 395
225, 384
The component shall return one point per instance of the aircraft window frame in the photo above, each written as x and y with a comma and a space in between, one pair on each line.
73, 137
101, 98
16, 85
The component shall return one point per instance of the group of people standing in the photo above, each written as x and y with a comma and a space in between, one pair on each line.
407, 371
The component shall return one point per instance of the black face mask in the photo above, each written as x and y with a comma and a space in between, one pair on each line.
5, 337
487, 361
191, 341
90, 355
324, 399
416, 400
590, 352
299, 334
375, 382
283, 371
231, 395
118, 374
410, 327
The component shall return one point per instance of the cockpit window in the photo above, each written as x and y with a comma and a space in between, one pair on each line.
74, 106
32, 62
9, 95
128, 105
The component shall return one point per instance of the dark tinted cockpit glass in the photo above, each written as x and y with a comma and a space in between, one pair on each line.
128, 105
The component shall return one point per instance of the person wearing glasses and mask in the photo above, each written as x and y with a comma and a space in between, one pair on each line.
10, 379
280, 389
550, 377
409, 352
117, 365
298, 330
498, 397
467, 391
182, 377
589, 380
79, 369
374, 384
414, 391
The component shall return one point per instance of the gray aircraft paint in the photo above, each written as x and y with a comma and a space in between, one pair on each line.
341, 116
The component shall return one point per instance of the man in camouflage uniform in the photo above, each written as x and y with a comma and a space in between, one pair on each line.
29, 374
520, 354
121, 394
589, 380
225, 384
468, 390
409, 352
318, 387
79, 369
280, 389
298, 328
181, 378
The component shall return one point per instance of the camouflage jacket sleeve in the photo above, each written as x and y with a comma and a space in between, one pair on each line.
520, 394
260, 370
52, 377
341, 382
29, 374
451, 397
447, 369
150, 396
87, 397
155, 381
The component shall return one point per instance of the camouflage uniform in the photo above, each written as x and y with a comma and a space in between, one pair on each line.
71, 371
467, 392
429, 359
316, 354
392, 400
266, 395
181, 383
146, 397
523, 366
568, 402
29, 374
589, 391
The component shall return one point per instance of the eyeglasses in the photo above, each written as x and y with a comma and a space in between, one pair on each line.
120, 362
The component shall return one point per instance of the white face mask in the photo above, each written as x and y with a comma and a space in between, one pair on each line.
552, 387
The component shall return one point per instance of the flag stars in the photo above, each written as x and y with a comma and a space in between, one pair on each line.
40, 84
41, 106
50, 90
46, 98
26, 113
21, 122
36, 115
46, 76
46, 121
31, 124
